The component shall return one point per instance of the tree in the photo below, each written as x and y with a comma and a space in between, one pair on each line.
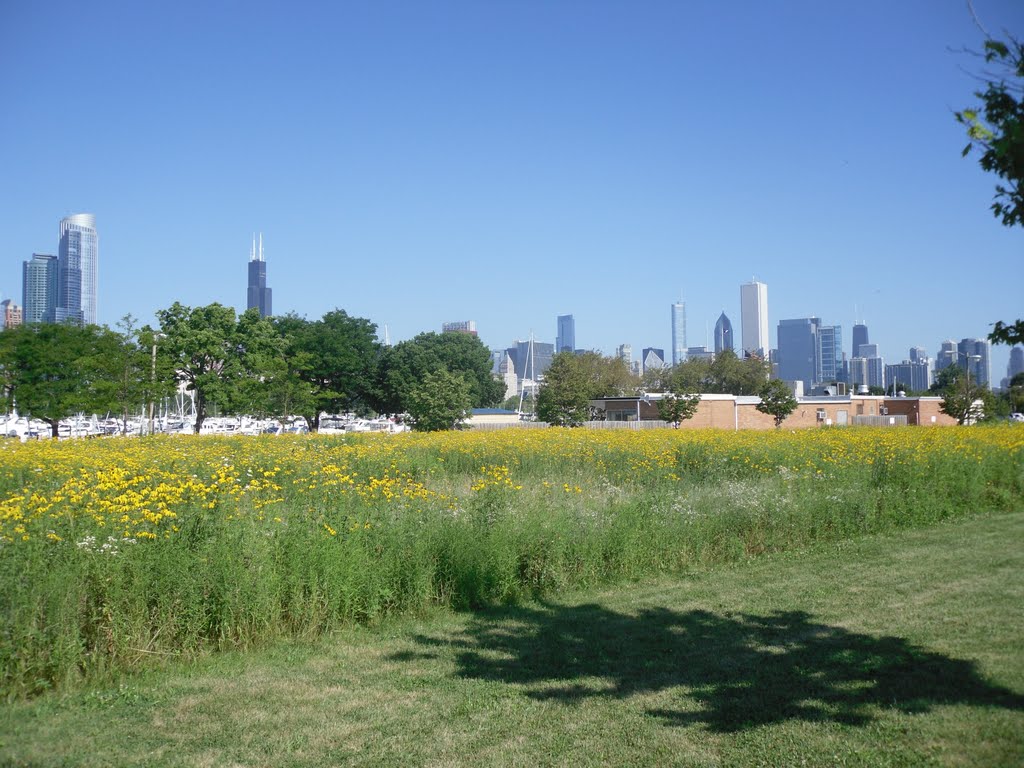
137, 376
725, 374
564, 397
960, 396
997, 130
776, 400
441, 401
336, 360
573, 380
1010, 334
1014, 393
675, 408
217, 355
403, 366
54, 370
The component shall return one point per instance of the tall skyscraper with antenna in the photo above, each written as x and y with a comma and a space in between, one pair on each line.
259, 293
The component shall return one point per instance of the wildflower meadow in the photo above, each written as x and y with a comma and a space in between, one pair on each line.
118, 553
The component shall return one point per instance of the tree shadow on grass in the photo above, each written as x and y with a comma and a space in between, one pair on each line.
738, 671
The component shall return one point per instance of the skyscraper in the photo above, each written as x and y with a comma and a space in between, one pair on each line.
259, 294
1016, 364
678, 332
912, 375
797, 351
829, 354
39, 289
77, 265
723, 335
860, 336
810, 351
946, 356
974, 355
624, 352
754, 318
653, 358
565, 338
460, 326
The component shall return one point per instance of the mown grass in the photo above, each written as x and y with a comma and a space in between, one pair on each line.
901, 649
116, 554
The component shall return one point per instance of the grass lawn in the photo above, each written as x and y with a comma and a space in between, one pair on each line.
905, 649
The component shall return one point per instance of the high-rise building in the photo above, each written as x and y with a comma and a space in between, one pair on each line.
723, 335
565, 339
858, 373
77, 266
259, 295
910, 375
829, 354
876, 370
678, 332
810, 352
531, 358
653, 358
460, 326
860, 336
797, 350
1016, 364
625, 353
974, 355
754, 318
699, 353
10, 314
39, 288
946, 356
917, 354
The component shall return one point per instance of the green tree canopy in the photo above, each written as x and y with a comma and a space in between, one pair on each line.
54, 370
573, 380
441, 400
996, 129
963, 399
403, 367
336, 359
564, 397
675, 408
725, 374
776, 400
219, 357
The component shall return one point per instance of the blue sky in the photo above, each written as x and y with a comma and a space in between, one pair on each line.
507, 162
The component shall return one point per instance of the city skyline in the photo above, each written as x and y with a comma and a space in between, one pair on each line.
45, 290
574, 179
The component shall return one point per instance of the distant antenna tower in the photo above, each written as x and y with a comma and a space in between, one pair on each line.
387, 336
256, 254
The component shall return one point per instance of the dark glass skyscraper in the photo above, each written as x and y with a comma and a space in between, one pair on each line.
723, 335
860, 336
565, 339
809, 351
259, 295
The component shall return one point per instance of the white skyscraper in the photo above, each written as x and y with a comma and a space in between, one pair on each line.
754, 317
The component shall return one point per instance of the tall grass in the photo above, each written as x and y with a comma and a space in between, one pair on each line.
118, 553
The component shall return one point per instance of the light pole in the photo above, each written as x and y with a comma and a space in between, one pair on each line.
157, 337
